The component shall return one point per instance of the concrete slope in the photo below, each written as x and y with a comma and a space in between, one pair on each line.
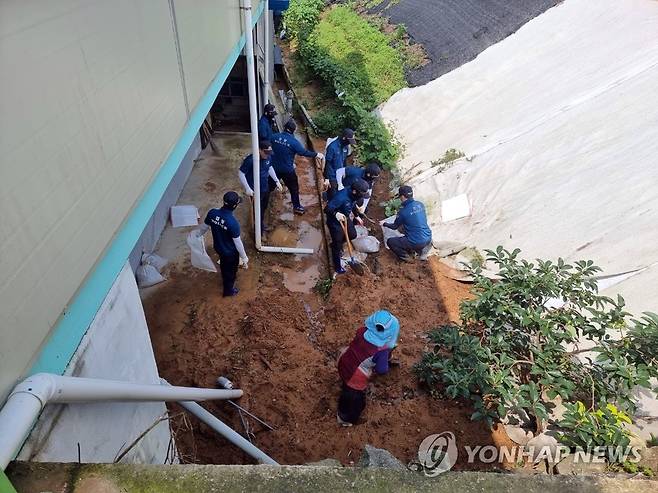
559, 125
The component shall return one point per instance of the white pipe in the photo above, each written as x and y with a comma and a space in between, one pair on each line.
226, 431
268, 47
30, 396
253, 122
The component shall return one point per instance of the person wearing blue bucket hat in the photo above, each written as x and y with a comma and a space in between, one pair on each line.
368, 353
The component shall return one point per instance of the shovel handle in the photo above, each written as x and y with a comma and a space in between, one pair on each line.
347, 238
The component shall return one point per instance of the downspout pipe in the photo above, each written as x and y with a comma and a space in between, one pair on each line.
29, 397
268, 47
253, 122
226, 431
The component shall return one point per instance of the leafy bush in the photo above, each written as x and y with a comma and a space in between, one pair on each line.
330, 120
355, 59
301, 17
510, 353
590, 428
449, 157
391, 207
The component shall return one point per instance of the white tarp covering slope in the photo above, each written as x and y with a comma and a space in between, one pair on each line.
559, 124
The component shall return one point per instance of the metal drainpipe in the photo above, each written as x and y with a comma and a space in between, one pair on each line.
268, 47
29, 397
253, 120
226, 431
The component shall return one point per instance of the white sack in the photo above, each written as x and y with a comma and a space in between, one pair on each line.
147, 275
199, 256
366, 244
155, 260
389, 233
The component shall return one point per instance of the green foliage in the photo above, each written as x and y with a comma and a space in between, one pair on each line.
391, 207
323, 287
510, 352
301, 17
355, 59
653, 441
448, 158
633, 468
330, 120
590, 428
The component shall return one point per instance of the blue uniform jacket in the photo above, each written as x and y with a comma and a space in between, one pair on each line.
265, 131
343, 202
412, 216
335, 158
224, 228
247, 167
353, 173
285, 147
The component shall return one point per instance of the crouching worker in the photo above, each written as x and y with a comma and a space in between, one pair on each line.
339, 210
226, 241
368, 353
412, 218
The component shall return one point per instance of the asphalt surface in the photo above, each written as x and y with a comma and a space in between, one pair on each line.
454, 32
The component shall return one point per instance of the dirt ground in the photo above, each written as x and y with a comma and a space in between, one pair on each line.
278, 339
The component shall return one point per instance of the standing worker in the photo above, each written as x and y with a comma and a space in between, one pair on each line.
369, 352
340, 209
266, 122
412, 218
337, 153
286, 147
246, 176
226, 241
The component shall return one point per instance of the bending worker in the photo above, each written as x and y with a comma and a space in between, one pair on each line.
412, 218
339, 210
347, 175
246, 176
286, 147
337, 153
226, 241
368, 353
266, 123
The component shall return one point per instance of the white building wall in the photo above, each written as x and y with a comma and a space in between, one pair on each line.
116, 347
91, 103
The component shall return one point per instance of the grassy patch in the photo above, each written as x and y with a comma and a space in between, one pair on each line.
449, 157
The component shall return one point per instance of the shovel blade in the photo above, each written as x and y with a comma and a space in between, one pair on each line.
357, 267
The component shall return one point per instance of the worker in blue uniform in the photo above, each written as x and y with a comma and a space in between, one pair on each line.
266, 123
226, 241
285, 147
336, 155
413, 220
347, 175
246, 176
342, 206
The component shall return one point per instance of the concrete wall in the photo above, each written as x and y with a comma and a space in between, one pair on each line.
158, 221
92, 123
103, 429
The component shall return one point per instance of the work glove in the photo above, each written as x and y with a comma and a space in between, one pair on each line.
279, 187
320, 156
325, 185
361, 208
244, 262
249, 192
341, 217
359, 220
388, 225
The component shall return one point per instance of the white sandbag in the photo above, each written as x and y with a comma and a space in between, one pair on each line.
366, 244
389, 233
147, 275
198, 254
155, 260
360, 230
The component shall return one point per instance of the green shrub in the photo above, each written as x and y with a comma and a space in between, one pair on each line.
510, 353
391, 207
301, 17
330, 120
591, 428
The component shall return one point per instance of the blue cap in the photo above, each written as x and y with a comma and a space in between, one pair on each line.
382, 329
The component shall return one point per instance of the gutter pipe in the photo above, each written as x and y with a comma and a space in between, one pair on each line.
29, 397
253, 120
226, 431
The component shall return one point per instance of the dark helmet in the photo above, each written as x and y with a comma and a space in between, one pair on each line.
290, 126
269, 110
360, 189
231, 199
372, 171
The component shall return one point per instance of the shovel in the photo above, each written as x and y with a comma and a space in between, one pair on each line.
356, 266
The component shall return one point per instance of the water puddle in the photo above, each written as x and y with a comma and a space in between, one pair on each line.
303, 281
306, 236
